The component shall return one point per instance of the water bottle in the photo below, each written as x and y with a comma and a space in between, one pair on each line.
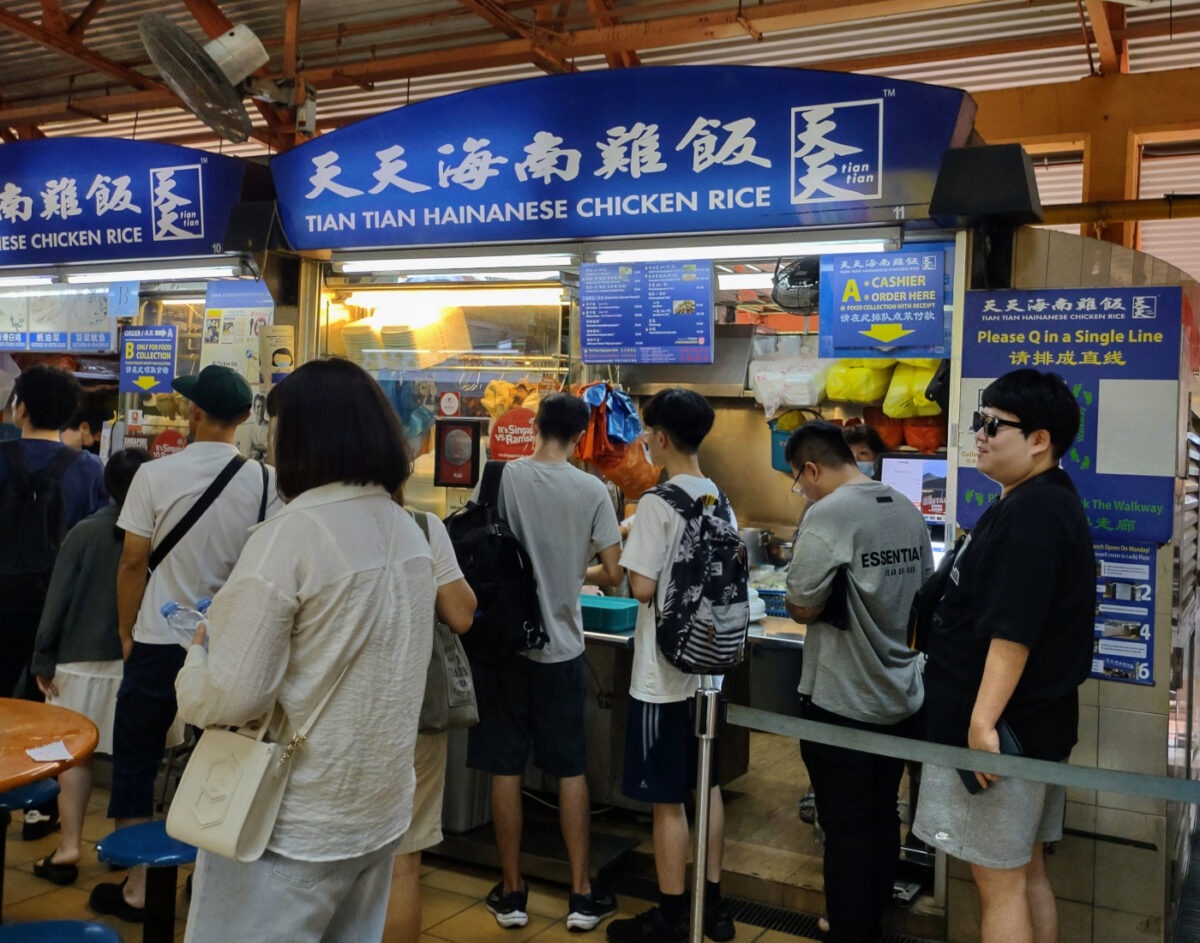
183, 620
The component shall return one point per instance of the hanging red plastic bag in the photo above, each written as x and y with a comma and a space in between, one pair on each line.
630, 471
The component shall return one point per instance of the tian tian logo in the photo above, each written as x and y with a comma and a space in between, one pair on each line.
176, 203
837, 152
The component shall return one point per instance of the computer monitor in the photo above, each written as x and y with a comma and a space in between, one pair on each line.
919, 477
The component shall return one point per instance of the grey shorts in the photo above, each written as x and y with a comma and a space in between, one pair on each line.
996, 828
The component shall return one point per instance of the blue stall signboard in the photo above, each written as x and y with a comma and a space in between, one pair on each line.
886, 303
103, 199
1119, 351
646, 312
625, 152
147, 359
1125, 597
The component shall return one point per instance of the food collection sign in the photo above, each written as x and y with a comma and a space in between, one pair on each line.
1119, 351
100, 199
646, 312
147, 359
625, 152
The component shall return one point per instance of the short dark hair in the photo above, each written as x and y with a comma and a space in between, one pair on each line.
1039, 401
50, 395
684, 415
91, 411
818, 441
561, 417
119, 472
334, 424
862, 434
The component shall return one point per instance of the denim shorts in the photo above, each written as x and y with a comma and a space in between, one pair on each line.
524, 705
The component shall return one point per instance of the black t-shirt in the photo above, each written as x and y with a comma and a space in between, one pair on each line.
1026, 574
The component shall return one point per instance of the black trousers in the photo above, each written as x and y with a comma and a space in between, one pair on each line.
145, 711
856, 807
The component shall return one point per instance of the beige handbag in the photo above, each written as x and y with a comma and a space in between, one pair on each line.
230, 791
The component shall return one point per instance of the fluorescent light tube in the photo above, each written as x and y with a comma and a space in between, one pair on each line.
766, 250
155, 274
735, 280
25, 281
454, 263
400, 299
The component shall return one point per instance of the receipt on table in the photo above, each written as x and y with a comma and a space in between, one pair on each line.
49, 752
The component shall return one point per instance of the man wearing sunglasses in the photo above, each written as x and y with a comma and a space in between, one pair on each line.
1010, 644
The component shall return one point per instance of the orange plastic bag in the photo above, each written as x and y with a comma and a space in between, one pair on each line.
925, 433
889, 429
629, 470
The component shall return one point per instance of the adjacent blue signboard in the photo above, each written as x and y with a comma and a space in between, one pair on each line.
646, 312
147, 359
1125, 598
1119, 351
884, 301
625, 152
100, 199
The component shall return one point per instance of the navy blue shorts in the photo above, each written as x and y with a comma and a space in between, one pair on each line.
661, 751
526, 704
145, 711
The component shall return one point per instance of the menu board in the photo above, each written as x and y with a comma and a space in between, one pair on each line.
646, 312
57, 320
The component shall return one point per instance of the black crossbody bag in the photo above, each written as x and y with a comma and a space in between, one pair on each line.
196, 511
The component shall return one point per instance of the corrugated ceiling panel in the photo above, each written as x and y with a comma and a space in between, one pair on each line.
1174, 240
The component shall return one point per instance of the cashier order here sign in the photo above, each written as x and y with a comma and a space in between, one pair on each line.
1119, 351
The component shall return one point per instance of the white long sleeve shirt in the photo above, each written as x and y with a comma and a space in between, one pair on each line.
341, 575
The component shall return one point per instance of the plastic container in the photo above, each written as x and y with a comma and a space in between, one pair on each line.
183, 620
773, 600
608, 613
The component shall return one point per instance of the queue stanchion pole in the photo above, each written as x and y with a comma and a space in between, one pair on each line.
707, 714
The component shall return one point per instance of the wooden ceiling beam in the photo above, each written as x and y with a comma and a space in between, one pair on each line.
622, 59
67, 44
1108, 42
291, 38
210, 17
80, 24
53, 17
513, 28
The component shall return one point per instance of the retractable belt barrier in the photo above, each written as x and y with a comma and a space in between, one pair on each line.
707, 703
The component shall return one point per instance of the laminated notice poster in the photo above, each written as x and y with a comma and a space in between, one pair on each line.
1125, 596
235, 313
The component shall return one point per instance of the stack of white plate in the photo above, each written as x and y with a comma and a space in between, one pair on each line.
360, 337
758, 608
456, 337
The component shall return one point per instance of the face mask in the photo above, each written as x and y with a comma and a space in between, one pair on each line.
867, 468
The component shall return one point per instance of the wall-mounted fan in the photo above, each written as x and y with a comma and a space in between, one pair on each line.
208, 79
797, 284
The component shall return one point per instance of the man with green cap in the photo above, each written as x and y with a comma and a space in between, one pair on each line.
165, 558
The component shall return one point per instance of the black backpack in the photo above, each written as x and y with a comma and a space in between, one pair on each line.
33, 512
499, 570
922, 615
705, 616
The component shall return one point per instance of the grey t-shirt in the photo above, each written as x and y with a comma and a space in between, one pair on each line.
564, 517
865, 672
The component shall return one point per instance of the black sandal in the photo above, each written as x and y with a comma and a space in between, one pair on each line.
61, 874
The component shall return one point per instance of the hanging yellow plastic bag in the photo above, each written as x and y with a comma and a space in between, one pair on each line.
859, 381
906, 393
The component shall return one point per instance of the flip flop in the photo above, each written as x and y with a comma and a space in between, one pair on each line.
61, 874
110, 899
806, 808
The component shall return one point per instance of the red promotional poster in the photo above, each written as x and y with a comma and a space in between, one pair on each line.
166, 443
512, 434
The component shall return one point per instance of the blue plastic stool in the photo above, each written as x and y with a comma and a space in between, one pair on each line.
58, 931
149, 845
20, 799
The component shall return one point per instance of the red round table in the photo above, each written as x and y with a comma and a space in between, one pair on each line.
29, 724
